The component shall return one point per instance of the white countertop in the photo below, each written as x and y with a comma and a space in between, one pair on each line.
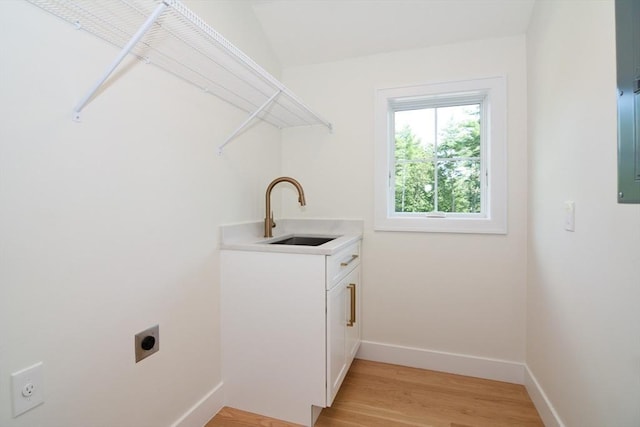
249, 236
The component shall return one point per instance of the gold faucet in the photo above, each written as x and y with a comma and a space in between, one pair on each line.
268, 220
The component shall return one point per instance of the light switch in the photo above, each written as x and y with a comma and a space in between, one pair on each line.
569, 215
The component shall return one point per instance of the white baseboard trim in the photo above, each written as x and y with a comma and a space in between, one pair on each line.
481, 367
473, 366
200, 413
547, 412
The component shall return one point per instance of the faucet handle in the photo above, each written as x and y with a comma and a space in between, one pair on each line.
273, 223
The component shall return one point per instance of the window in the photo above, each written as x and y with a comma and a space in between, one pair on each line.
441, 157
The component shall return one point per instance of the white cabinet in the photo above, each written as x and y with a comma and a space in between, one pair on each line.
286, 345
343, 324
343, 330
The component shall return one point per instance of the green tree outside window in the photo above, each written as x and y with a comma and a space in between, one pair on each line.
443, 176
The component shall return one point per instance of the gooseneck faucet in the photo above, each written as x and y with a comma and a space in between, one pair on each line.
268, 220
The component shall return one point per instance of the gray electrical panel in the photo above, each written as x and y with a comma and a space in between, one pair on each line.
628, 75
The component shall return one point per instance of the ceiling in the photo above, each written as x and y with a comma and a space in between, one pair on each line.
313, 31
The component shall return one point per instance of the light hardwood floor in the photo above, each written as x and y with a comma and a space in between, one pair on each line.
382, 395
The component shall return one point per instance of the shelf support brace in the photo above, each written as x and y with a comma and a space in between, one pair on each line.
248, 120
123, 53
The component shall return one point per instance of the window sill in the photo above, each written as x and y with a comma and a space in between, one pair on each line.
443, 225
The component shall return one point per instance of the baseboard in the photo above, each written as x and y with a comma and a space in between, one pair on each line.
200, 413
473, 366
542, 403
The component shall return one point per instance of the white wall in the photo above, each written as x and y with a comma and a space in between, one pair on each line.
110, 226
583, 324
445, 292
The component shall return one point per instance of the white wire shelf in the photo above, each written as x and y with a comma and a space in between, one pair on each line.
167, 34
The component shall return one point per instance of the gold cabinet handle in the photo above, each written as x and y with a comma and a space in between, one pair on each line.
352, 315
353, 258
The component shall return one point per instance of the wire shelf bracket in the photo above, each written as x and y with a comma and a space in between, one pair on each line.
175, 39
247, 122
123, 53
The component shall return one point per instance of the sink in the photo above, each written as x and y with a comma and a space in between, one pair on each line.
303, 241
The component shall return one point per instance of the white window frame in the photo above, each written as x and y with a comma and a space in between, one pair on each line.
492, 94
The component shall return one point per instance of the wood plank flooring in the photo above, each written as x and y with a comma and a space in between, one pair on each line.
382, 395
230, 417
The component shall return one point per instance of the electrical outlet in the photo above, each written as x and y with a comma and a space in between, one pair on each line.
27, 389
147, 342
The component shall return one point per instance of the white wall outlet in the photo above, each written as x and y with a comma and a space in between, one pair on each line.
569, 216
26, 389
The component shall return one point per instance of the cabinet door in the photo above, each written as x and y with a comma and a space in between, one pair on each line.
336, 345
353, 331
343, 334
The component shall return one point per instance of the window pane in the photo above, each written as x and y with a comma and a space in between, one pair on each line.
415, 133
459, 131
459, 186
414, 187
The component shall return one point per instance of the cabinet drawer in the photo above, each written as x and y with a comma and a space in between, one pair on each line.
340, 264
